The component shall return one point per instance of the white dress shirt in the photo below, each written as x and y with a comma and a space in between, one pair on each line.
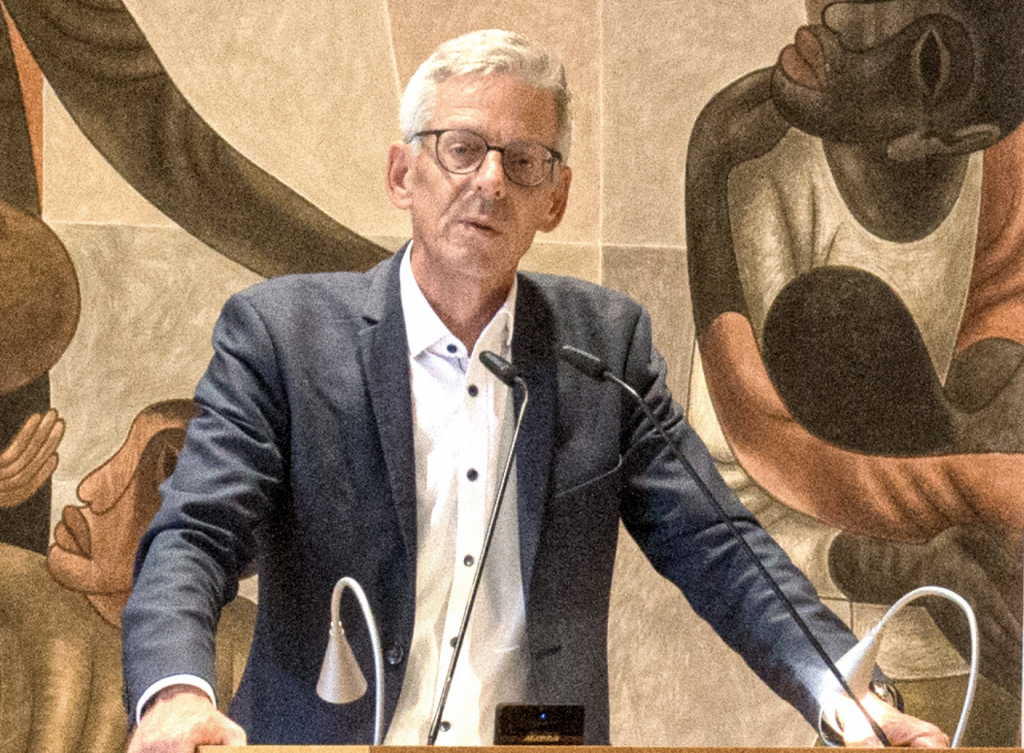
463, 420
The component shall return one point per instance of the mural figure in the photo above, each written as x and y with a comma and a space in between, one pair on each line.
60, 616
857, 313
108, 77
95, 543
39, 309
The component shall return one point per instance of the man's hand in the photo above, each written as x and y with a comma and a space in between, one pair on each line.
179, 719
902, 729
30, 458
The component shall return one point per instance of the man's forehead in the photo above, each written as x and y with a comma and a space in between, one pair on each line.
498, 100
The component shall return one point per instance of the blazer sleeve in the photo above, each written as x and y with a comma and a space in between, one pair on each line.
203, 537
669, 507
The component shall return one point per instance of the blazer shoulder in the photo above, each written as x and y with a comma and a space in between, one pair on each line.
349, 294
579, 299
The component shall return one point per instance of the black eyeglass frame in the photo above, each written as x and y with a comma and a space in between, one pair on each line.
554, 159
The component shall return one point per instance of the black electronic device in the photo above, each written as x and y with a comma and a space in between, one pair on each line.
526, 724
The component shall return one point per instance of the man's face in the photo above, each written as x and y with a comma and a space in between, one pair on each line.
479, 225
876, 71
95, 544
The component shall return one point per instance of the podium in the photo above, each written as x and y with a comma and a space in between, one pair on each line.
514, 748
497, 749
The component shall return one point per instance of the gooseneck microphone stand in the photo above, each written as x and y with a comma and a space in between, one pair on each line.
509, 376
596, 368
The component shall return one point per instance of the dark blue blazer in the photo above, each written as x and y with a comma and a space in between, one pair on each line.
302, 461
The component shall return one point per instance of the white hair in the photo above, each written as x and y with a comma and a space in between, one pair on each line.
488, 52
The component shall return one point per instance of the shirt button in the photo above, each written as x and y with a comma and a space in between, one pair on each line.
471, 474
452, 347
394, 655
473, 391
453, 641
445, 726
468, 560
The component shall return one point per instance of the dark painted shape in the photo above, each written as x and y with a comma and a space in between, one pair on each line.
108, 77
849, 362
27, 525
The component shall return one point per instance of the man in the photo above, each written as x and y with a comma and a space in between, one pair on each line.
347, 427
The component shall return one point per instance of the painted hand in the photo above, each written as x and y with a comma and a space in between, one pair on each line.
31, 458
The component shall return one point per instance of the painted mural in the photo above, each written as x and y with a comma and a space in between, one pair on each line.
851, 222
853, 257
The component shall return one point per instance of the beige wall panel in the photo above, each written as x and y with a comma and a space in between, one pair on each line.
307, 90
656, 277
572, 28
573, 259
663, 60
144, 335
673, 681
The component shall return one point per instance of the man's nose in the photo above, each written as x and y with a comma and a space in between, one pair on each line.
490, 176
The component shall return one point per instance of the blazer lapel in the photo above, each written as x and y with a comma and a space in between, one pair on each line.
533, 353
384, 351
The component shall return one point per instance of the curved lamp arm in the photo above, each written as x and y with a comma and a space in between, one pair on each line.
857, 665
341, 680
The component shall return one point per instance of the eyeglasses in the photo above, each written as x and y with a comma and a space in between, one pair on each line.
526, 163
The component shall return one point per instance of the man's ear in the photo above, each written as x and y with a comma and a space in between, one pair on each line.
398, 174
559, 201
918, 145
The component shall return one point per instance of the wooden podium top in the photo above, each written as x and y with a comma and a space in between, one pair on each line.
508, 748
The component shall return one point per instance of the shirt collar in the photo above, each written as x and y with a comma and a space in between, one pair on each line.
424, 329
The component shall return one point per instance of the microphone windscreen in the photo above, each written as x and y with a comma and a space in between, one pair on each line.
498, 366
588, 363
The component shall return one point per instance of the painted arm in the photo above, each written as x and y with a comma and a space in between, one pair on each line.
108, 77
738, 124
850, 490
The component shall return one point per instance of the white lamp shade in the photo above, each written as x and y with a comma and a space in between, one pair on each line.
857, 665
341, 680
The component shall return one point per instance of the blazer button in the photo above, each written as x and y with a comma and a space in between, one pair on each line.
394, 655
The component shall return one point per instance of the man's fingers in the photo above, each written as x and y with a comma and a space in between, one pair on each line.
902, 729
182, 719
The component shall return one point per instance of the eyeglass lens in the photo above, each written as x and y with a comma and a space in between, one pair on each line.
524, 162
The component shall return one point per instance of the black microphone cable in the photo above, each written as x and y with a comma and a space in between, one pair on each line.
596, 368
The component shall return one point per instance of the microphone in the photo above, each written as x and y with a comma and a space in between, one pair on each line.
508, 375
596, 368
501, 368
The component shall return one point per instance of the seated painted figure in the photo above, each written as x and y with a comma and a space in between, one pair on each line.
856, 250
60, 615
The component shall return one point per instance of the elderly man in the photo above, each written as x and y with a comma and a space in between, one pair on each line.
348, 427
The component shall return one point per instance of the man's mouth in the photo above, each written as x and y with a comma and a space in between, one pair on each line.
804, 60
72, 532
481, 224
